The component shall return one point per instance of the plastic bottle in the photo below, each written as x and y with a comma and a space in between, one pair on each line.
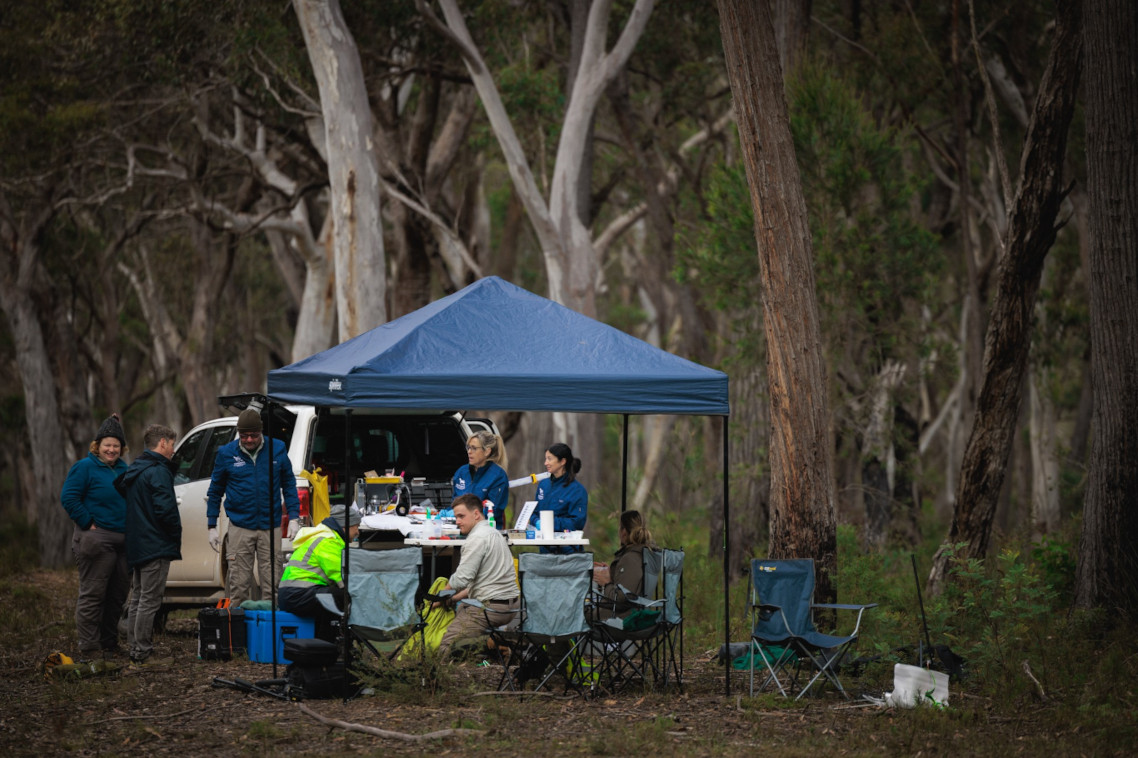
360, 495
489, 506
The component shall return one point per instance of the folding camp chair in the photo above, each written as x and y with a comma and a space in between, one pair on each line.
551, 623
655, 644
782, 630
382, 612
671, 647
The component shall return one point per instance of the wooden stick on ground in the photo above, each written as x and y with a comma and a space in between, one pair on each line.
1027, 670
376, 732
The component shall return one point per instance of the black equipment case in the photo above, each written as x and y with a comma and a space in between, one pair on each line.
221, 632
311, 652
319, 682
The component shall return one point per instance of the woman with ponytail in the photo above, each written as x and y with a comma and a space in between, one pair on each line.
562, 494
484, 476
625, 575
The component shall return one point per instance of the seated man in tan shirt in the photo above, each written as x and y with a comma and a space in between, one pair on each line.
485, 573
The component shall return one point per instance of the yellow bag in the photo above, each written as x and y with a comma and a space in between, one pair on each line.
321, 505
438, 619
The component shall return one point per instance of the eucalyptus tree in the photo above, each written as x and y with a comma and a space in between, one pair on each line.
1107, 574
1031, 230
801, 453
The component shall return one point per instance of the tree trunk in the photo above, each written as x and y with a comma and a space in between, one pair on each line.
791, 20
878, 462
1031, 232
353, 169
1044, 458
41, 408
1107, 574
801, 451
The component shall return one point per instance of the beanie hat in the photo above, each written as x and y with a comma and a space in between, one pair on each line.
112, 427
249, 421
354, 515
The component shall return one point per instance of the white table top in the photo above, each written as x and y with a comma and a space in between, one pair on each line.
555, 542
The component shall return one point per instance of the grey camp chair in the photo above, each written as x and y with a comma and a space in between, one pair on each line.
382, 613
653, 646
782, 630
671, 647
546, 638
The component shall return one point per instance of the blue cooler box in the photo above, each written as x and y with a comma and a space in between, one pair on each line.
259, 633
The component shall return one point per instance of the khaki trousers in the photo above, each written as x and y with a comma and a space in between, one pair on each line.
470, 623
243, 549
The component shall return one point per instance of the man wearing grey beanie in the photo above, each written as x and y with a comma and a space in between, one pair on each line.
241, 475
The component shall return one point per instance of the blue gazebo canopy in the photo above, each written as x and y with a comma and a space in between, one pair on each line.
496, 346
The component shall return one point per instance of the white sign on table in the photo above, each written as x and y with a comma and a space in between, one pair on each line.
524, 516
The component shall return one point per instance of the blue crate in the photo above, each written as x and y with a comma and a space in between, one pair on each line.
259, 633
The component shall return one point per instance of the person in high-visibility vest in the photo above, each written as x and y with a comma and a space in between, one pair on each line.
315, 568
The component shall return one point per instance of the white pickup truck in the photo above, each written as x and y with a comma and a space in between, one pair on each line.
416, 444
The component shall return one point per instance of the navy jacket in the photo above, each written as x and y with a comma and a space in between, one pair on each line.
245, 485
569, 502
153, 525
89, 495
488, 483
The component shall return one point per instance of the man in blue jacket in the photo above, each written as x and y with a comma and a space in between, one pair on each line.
153, 533
241, 474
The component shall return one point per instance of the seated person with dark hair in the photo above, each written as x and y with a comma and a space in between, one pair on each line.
485, 573
317, 555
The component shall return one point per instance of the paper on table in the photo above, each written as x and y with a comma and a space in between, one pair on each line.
547, 525
524, 515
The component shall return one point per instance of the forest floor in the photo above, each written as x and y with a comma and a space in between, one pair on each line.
170, 707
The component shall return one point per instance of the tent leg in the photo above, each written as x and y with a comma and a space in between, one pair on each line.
348, 482
272, 537
726, 563
624, 469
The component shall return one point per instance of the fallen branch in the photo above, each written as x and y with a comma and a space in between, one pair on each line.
376, 732
523, 692
1031, 676
157, 716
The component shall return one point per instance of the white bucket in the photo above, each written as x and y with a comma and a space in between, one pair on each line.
913, 685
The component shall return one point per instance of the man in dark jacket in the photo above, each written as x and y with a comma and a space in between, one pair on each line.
153, 533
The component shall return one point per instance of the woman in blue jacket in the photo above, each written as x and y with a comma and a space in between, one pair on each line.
99, 543
562, 494
485, 474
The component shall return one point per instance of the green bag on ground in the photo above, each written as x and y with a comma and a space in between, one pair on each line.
772, 652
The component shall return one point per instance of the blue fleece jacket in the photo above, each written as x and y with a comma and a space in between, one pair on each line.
488, 483
245, 485
569, 502
89, 495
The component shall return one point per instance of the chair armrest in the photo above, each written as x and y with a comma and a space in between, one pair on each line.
844, 606
439, 597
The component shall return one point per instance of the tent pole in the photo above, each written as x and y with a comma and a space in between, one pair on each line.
272, 536
345, 568
726, 565
624, 469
